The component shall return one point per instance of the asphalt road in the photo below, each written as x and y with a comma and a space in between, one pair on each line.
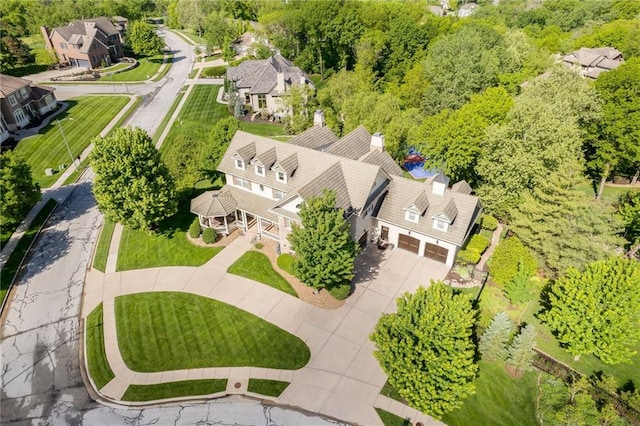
40, 346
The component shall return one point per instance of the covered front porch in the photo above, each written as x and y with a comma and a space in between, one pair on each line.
263, 227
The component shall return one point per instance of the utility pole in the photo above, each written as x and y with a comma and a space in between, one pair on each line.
64, 138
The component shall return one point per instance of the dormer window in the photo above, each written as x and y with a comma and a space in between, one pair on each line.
239, 164
411, 216
440, 225
281, 177
259, 170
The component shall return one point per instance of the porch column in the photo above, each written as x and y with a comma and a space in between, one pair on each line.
226, 228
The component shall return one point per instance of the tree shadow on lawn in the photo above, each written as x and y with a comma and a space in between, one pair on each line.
183, 217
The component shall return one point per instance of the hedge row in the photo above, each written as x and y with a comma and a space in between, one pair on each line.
489, 223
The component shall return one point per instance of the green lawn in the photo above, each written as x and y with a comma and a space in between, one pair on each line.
147, 67
391, 392
610, 194
267, 387
499, 399
167, 246
85, 118
42, 57
172, 331
257, 266
390, 419
262, 129
15, 258
102, 251
285, 262
174, 389
116, 67
166, 69
193, 35
167, 117
99, 368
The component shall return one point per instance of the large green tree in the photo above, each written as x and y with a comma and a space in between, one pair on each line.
628, 209
132, 185
218, 141
493, 342
143, 39
325, 252
426, 348
598, 310
520, 352
17, 190
562, 225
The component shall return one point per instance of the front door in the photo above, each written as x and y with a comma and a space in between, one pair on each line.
406, 242
384, 233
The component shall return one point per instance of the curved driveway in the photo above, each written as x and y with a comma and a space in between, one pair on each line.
41, 381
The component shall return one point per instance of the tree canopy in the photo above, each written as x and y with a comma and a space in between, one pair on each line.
598, 310
143, 39
426, 348
132, 185
18, 191
325, 251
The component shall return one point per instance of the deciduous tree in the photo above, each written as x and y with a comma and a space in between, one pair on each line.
597, 311
519, 289
18, 191
508, 259
219, 138
493, 343
426, 348
628, 209
143, 39
325, 252
132, 185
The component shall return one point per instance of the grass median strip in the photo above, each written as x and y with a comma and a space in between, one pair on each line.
147, 67
99, 368
102, 251
21, 249
267, 387
165, 331
174, 389
84, 119
256, 266
390, 419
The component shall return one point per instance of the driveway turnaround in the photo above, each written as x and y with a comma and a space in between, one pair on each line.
342, 379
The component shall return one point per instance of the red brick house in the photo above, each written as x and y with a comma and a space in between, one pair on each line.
85, 43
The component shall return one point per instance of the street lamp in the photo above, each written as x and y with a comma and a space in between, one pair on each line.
64, 138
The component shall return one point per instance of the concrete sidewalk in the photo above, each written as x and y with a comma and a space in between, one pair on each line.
342, 378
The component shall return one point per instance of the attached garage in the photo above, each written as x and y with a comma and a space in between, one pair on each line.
406, 242
435, 252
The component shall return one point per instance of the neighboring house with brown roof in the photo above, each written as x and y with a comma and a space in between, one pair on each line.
268, 180
85, 43
22, 102
262, 82
593, 62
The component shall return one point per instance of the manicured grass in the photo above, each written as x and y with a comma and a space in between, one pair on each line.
167, 117
285, 262
172, 331
167, 246
147, 67
15, 258
610, 194
102, 251
390, 419
117, 67
193, 35
262, 129
47, 149
174, 389
213, 57
391, 392
499, 399
42, 57
256, 266
166, 68
99, 368
267, 387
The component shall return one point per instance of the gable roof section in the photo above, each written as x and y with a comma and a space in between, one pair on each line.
447, 211
288, 165
86, 27
317, 137
261, 75
384, 160
245, 152
467, 208
353, 146
265, 159
462, 187
10, 84
420, 203
331, 179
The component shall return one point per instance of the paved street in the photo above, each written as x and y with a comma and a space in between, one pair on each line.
41, 382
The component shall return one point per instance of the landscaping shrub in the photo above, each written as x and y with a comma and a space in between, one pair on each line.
469, 256
504, 264
259, 246
194, 229
209, 235
214, 71
489, 222
341, 291
478, 243
285, 262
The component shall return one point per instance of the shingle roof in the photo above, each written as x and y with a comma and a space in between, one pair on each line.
10, 84
384, 160
261, 75
214, 203
462, 187
331, 179
420, 203
353, 146
253, 203
85, 27
245, 152
266, 158
316, 137
447, 211
401, 190
287, 165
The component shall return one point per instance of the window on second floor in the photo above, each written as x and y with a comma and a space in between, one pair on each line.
12, 100
242, 183
23, 93
260, 170
240, 164
63, 46
411, 216
277, 194
281, 177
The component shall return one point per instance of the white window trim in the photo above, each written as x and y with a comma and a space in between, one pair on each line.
274, 191
23, 93
239, 164
17, 112
258, 167
440, 225
12, 100
411, 216
281, 177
